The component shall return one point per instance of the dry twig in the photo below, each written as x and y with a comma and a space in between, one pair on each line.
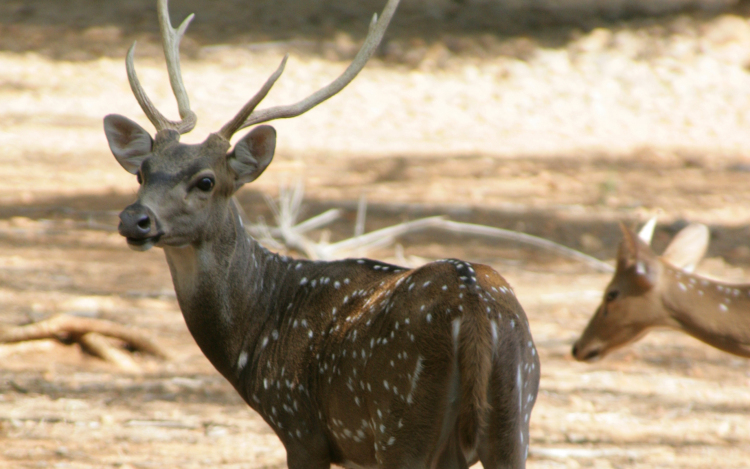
292, 234
91, 334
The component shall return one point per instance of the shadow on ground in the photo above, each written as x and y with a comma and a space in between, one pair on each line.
80, 29
99, 212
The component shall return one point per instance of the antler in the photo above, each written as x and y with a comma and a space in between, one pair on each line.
248, 116
171, 41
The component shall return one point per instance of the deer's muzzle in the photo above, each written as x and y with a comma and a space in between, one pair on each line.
138, 225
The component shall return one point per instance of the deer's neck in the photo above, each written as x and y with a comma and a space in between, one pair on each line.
225, 288
716, 313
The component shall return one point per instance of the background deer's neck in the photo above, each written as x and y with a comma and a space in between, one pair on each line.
225, 288
716, 313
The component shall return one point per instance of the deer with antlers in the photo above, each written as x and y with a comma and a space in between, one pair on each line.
353, 362
649, 291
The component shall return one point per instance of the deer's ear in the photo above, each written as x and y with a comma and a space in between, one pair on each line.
688, 247
252, 155
628, 250
634, 256
129, 142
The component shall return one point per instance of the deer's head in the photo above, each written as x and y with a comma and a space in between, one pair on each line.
631, 304
185, 189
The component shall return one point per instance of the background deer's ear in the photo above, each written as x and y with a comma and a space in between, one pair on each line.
252, 154
688, 247
634, 256
129, 142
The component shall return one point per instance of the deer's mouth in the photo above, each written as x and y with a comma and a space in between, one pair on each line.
143, 244
592, 356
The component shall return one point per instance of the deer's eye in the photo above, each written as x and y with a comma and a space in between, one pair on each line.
205, 184
611, 295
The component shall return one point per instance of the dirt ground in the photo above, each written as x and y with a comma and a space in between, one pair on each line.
558, 131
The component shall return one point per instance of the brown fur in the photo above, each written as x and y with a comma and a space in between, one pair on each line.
352, 362
647, 292
475, 362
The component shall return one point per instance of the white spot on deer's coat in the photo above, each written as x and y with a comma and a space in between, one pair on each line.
303, 281
682, 286
264, 343
336, 284
275, 334
519, 385
242, 360
493, 325
426, 284
723, 307
414, 379
429, 317
456, 323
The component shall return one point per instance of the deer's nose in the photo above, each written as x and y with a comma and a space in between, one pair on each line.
136, 221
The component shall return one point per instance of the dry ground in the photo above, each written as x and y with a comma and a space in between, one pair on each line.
559, 137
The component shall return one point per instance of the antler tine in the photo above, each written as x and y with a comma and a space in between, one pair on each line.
171, 42
374, 36
236, 123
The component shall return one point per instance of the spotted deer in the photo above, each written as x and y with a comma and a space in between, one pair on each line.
649, 291
354, 362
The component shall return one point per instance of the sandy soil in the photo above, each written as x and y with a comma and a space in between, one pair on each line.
559, 137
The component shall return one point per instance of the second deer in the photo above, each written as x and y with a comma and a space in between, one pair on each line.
354, 362
649, 291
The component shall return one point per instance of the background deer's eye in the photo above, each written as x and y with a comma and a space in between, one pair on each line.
611, 295
205, 184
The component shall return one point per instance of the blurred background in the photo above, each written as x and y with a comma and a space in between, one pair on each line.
553, 118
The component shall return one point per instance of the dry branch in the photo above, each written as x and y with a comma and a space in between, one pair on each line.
292, 234
99, 346
90, 333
